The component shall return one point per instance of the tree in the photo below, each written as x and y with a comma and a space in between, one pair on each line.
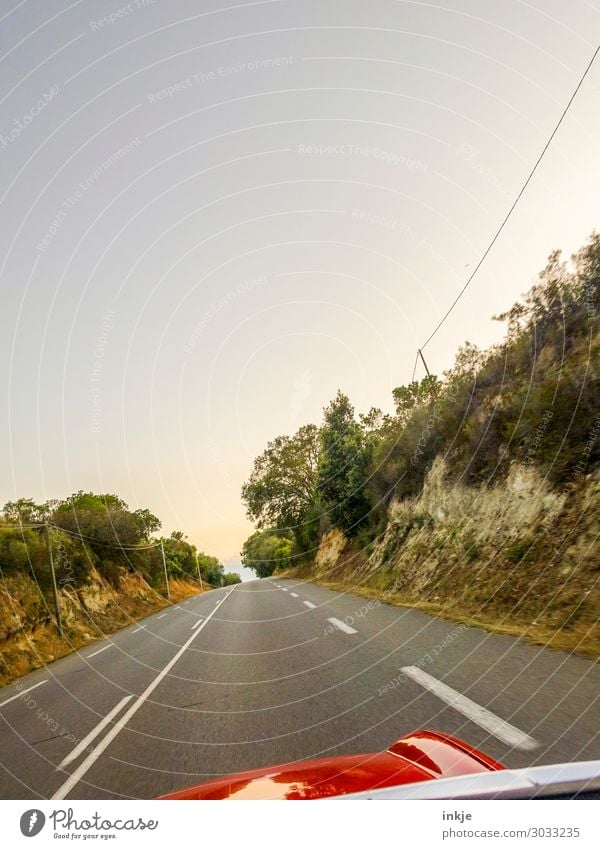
417, 393
230, 578
280, 492
587, 270
183, 560
267, 551
109, 532
101, 519
97, 531
211, 570
147, 523
343, 467
180, 555
25, 511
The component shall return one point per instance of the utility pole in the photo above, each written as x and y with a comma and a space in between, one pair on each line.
162, 548
199, 575
424, 363
54, 587
434, 393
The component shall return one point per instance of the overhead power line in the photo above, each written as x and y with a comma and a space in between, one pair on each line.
102, 542
78, 535
83, 537
415, 367
515, 202
22, 525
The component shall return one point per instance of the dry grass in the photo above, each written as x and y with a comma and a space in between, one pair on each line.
580, 640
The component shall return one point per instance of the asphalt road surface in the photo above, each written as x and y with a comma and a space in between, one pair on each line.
278, 670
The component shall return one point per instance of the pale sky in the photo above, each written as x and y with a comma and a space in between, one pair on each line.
214, 215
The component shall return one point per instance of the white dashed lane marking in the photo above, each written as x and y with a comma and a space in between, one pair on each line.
309, 604
22, 692
94, 653
341, 626
476, 713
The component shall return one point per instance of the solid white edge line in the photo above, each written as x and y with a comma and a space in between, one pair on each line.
309, 604
93, 733
162, 616
341, 626
476, 713
84, 766
294, 595
22, 693
195, 625
141, 628
94, 653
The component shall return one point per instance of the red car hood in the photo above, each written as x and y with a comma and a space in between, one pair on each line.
421, 756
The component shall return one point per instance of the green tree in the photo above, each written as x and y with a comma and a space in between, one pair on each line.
183, 561
180, 555
211, 570
268, 551
148, 523
280, 492
417, 393
109, 532
230, 578
22, 550
343, 467
25, 511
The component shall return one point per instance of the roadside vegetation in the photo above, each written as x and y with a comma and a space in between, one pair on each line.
98, 532
478, 495
109, 571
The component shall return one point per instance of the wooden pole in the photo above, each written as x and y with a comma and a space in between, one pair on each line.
54, 587
424, 363
199, 574
162, 548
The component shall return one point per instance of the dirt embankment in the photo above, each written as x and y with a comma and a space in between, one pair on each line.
28, 634
518, 557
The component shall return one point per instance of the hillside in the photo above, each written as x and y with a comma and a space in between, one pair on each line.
517, 557
479, 497
28, 634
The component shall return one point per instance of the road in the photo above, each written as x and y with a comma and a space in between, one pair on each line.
280, 670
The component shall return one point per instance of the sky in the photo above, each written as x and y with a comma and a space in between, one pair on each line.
215, 215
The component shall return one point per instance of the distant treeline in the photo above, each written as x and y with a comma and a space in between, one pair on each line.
91, 531
531, 399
